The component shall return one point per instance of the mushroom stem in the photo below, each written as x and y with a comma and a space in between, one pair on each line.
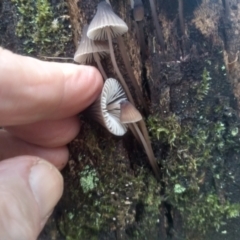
156, 23
143, 128
227, 8
137, 33
133, 130
130, 72
181, 18
149, 152
141, 39
100, 67
125, 87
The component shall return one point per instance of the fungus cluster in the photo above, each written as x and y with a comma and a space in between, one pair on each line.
138, 16
115, 108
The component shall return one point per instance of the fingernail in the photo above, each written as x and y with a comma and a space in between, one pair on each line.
46, 183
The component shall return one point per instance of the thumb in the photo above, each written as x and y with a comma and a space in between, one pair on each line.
32, 90
29, 190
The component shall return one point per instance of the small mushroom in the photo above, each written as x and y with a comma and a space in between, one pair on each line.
138, 10
138, 15
181, 17
112, 109
156, 23
115, 113
127, 65
129, 113
105, 25
88, 50
226, 7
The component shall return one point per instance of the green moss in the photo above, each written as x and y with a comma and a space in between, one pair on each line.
195, 150
112, 204
204, 86
208, 211
110, 195
167, 131
42, 29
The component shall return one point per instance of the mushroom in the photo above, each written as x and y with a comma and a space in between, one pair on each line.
138, 15
181, 17
127, 65
138, 10
226, 7
105, 25
156, 23
129, 114
116, 113
112, 110
88, 50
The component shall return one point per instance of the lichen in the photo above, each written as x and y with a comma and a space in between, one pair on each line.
88, 179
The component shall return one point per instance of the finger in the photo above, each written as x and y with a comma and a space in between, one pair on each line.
12, 147
48, 133
30, 189
32, 90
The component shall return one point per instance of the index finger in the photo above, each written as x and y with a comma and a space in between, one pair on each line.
32, 90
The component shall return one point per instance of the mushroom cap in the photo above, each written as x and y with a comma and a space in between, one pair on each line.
103, 19
129, 114
138, 11
113, 94
88, 47
112, 109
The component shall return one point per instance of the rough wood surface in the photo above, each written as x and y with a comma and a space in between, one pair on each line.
173, 85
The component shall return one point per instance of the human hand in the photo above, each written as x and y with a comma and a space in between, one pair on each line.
38, 106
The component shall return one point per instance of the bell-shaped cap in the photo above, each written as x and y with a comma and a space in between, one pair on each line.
138, 11
129, 114
103, 19
106, 109
113, 95
88, 47
112, 109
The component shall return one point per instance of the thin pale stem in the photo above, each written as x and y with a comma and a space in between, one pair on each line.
125, 87
100, 67
149, 152
143, 128
137, 32
181, 17
130, 71
121, 79
227, 8
133, 130
156, 23
142, 39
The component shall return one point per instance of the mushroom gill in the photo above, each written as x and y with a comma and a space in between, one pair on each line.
88, 50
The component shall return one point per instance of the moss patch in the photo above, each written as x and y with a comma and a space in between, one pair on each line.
194, 158
106, 193
44, 29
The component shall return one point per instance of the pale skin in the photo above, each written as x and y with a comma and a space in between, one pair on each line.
39, 102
